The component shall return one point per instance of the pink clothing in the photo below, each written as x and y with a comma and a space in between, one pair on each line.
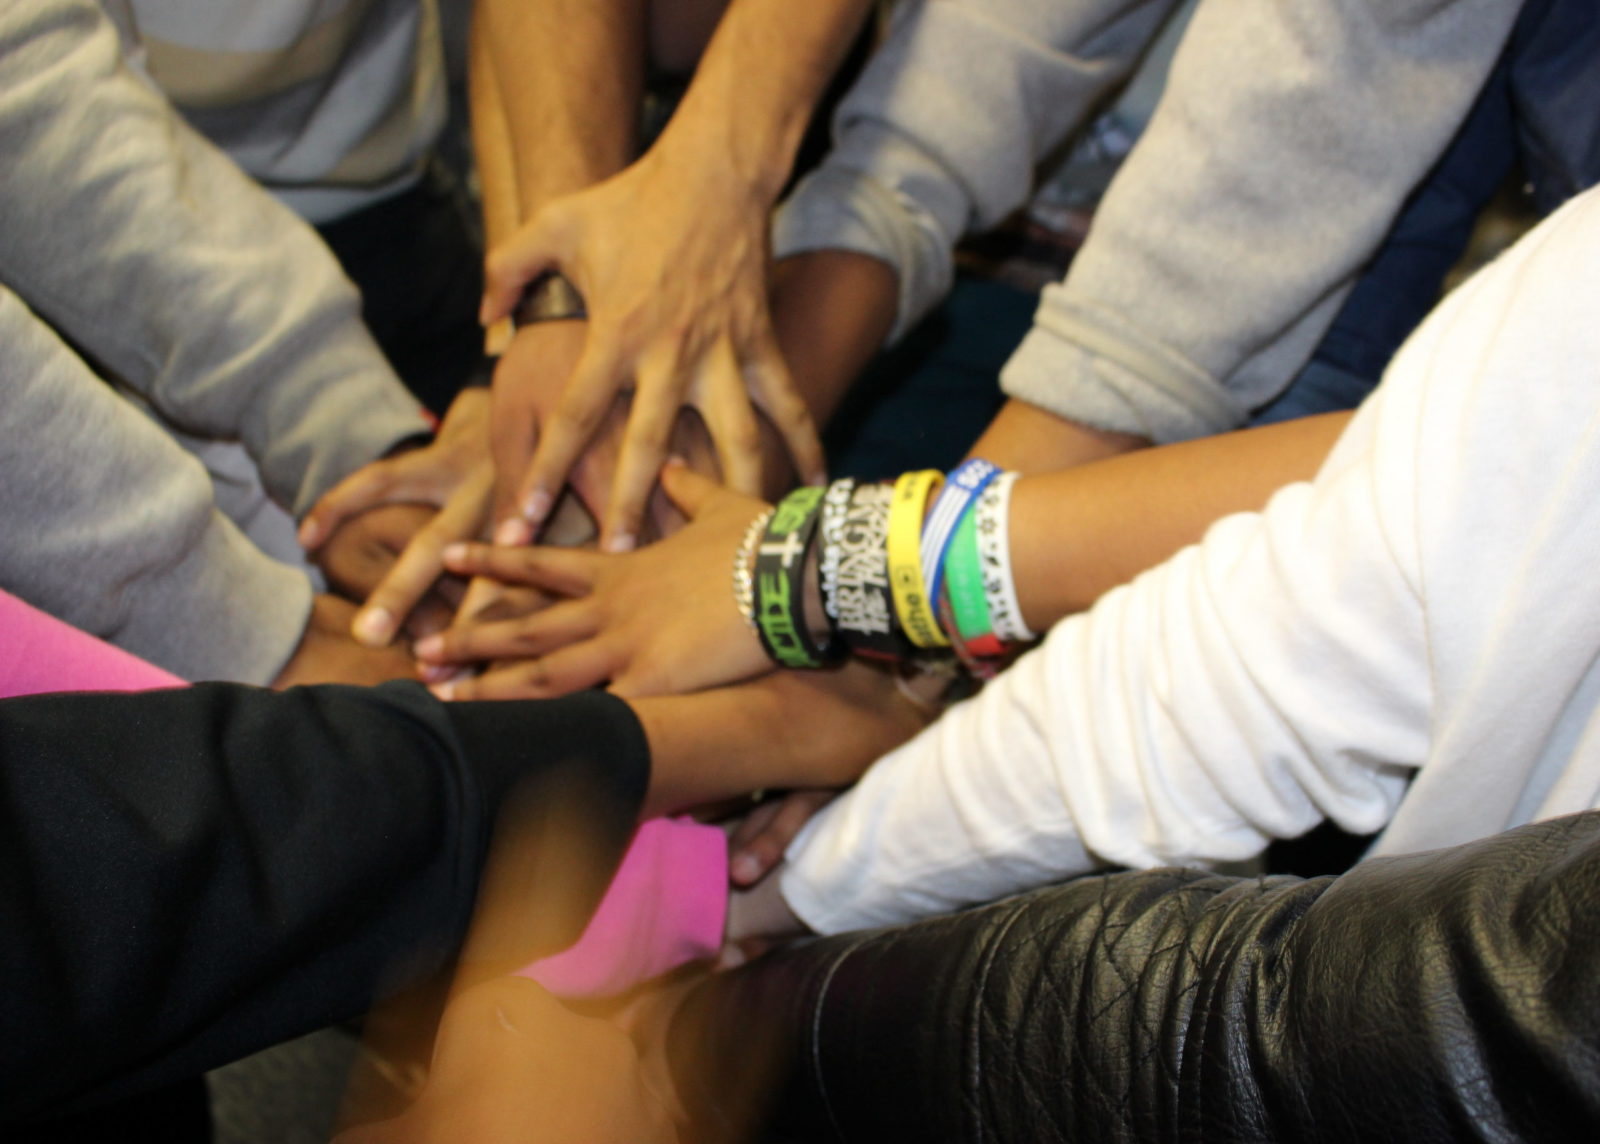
666, 907
39, 653
663, 909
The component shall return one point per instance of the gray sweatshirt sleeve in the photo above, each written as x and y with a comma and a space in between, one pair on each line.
109, 524
154, 254
1288, 138
942, 134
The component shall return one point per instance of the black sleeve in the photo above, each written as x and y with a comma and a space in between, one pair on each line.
187, 876
1453, 995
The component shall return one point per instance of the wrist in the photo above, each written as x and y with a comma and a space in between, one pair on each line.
1031, 439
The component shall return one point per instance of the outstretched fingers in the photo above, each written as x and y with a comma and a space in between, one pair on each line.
644, 447
382, 482
563, 571
724, 403
522, 637
418, 567
772, 389
579, 414
571, 669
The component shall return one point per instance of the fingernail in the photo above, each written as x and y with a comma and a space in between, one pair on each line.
677, 462
455, 553
374, 626
621, 542
513, 533
309, 534
537, 506
445, 691
745, 869
430, 647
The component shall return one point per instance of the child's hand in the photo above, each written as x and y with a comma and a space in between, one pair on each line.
660, 620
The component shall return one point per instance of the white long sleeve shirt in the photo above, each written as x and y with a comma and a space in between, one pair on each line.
1408, 642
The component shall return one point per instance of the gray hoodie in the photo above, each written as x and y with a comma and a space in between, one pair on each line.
1290, 133
128, 241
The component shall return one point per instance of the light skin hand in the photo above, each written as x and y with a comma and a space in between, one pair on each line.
527, 384
677, 297
758, 918
419, 571
656, 621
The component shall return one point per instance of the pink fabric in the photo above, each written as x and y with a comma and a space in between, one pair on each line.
666, 907
39, 653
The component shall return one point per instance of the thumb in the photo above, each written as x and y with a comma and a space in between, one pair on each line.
691, 492
513, 264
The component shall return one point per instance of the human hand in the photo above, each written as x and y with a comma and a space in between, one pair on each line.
757, 843
328, 654
454, 475
787, 729
427, 475
512, 1064
362, 552
655, 621
706, 341
758, 919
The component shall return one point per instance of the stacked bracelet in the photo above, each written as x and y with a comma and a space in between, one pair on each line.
835, 507
780, 584
912, 604
744, 583
994, 556
920, 569
950, 508
963, 587
861, 596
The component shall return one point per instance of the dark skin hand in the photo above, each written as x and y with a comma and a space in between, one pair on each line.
328, 654
363, 550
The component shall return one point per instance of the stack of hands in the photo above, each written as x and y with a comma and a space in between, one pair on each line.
569, 528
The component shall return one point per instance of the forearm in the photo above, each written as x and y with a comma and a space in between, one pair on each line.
1078, 533
750, 119
267, 863
1172, 723
557, 98
492, 150
831, 310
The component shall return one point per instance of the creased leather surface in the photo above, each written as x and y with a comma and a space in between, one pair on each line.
1445, 996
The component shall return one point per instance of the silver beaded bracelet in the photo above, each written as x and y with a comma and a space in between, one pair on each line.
744, 583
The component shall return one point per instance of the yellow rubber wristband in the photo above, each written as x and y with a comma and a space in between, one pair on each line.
906, 511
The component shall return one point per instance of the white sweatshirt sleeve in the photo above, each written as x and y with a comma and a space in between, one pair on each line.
1427, 602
